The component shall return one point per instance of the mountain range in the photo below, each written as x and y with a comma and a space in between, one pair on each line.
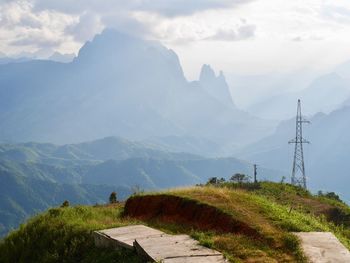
35, 176
326, 158
171, 132
273, 96
119, 85
324, 94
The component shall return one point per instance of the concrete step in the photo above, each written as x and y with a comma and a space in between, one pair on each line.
155, 245
323, 247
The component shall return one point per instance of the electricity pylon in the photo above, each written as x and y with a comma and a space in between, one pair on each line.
298, 173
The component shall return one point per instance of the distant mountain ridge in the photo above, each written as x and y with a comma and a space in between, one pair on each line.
118, 85
326, 158
324, 93
87, 152
35, 176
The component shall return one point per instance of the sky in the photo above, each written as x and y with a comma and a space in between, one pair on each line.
236, 36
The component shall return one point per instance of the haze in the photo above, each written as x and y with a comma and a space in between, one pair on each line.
236, 36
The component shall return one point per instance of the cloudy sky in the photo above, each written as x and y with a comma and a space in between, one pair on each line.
241, 36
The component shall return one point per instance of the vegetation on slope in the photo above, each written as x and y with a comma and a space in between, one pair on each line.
272, 211
63, 235
36, 176
23, 196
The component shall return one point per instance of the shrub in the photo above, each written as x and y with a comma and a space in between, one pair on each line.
239, 178
65, 203
113, 198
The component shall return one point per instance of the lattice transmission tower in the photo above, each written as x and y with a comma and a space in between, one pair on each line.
298, 172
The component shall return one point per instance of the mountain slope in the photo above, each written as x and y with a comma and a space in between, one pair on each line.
87, 152
118, 85
24, 196
157, 174
324, 94
326, 157
216, 86
35, 176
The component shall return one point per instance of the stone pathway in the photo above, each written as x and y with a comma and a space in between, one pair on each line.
155, 245
323, 247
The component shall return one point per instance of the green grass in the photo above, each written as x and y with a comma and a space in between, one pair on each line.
275, 210
63, 235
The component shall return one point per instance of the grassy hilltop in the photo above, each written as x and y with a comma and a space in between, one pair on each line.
247, 222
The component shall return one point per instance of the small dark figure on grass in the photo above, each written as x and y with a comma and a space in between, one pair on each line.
65, 203
113, 198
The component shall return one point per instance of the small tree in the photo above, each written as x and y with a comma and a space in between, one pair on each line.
113, 198
213, 180
221, 180
332, 195
65, 203
239, 178
216, 181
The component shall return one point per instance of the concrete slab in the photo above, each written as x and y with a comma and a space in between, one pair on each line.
200, 259
155, 245
125, 236
179, 248
168, 246
323, 247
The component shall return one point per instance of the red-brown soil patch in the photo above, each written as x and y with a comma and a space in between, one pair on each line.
188, 212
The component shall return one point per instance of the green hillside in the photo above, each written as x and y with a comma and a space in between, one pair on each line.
87, 152
247, 222
27, 189
36, 176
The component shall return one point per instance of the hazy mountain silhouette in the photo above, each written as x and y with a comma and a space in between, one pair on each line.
324, 94
216, 86
118, 85
88, 152
327, 164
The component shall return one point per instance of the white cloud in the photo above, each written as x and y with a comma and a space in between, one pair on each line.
66, 24
37, 39
243, 32
280, 35
172, 8
168, 8
23, 30
88, 25
336, 13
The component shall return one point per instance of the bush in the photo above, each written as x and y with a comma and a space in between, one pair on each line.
330, 195
113, 198
65, 203
216, 181
239, 178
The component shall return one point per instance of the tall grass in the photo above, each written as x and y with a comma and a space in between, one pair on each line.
63, 235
